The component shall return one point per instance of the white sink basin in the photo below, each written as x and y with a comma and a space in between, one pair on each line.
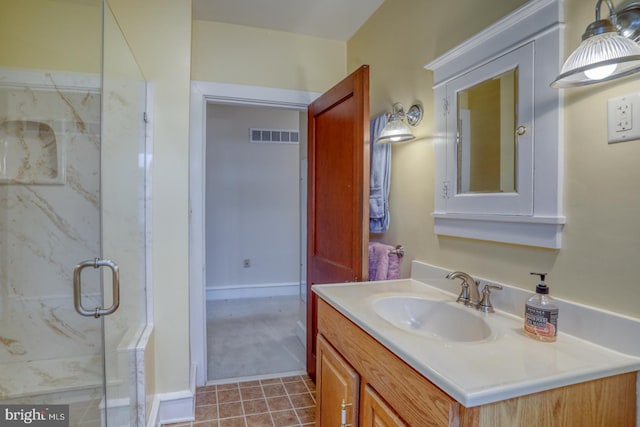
433, 318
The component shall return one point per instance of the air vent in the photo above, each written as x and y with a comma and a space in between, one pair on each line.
273, 136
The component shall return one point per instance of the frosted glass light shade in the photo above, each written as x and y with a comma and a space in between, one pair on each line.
395, 131
599, 58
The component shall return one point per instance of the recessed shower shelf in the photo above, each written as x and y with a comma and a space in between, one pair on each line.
30, 153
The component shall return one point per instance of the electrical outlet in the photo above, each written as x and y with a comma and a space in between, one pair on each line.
623, 118
246, 263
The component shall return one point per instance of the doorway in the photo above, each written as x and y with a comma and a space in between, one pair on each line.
205, 94
252, 242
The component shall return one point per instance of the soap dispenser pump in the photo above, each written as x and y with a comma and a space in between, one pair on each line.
541, 313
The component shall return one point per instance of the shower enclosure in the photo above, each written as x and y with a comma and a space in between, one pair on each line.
73, 167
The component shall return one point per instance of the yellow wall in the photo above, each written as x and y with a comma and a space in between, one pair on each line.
159, 33
237, 54
51, 35
601, 246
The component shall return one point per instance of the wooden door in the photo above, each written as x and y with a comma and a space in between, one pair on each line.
337, 382
338, 191
375, 412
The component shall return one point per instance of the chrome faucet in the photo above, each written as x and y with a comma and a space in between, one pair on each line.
470, 294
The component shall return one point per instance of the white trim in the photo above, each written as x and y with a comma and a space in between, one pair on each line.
201, 94
178, 406
545, 232
225, 93
530, 20
252, 291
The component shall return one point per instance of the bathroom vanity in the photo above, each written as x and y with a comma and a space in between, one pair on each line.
372, 372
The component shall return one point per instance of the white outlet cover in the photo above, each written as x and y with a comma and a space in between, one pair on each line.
630, 130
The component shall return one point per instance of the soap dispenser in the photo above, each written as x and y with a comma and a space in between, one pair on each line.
541, 313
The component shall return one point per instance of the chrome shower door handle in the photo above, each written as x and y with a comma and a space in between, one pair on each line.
77, 287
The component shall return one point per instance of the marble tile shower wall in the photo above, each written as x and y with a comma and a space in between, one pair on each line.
49, 220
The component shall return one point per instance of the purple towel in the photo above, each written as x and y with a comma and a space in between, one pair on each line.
393, 272
382, 264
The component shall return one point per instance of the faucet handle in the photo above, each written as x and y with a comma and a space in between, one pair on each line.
464, 293
485, 304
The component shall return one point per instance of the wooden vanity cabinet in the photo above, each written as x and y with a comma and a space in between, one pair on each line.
337, 382
375, 412
381, 390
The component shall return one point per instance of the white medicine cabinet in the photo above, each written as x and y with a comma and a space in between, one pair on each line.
498, 145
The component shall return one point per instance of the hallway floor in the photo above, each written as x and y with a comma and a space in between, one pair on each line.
278, 402
250, 337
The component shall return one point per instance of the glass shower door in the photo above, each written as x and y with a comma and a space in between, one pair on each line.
72, 188
50, 102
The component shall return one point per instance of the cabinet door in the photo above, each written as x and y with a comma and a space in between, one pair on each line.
336, 381
375, 412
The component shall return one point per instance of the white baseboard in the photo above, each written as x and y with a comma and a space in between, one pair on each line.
177, 406
252, 291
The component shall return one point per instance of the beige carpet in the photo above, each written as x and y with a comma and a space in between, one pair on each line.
253, 337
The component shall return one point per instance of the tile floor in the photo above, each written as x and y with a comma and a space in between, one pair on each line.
250, 337
278, 402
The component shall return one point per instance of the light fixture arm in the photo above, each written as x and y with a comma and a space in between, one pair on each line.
628, 19
601, 26
612, 11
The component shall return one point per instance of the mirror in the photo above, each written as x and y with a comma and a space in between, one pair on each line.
486, 135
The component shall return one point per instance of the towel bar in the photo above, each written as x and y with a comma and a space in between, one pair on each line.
399, 250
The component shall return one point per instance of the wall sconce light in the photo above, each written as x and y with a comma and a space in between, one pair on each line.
396, 130
609, 48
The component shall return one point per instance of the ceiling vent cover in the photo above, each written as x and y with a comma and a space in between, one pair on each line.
273, 136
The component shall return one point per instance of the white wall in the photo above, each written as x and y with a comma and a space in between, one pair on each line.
252, 199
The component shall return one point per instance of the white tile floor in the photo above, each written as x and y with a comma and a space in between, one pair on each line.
251, 337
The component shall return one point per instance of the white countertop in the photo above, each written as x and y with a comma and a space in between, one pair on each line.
506, 365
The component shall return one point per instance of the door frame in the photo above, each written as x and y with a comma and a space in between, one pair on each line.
203, 93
